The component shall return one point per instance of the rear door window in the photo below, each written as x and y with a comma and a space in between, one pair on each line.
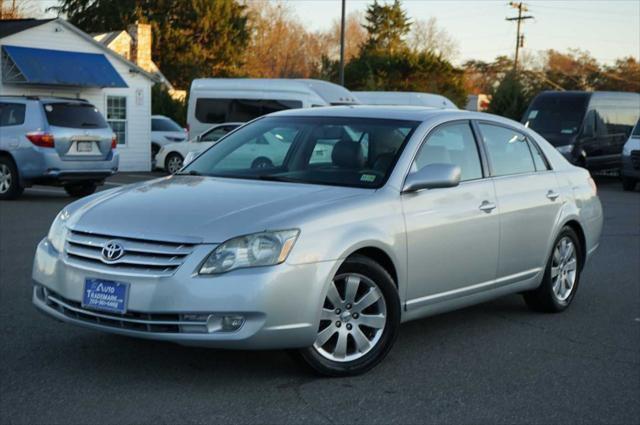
508, 150
11, 114
74, 115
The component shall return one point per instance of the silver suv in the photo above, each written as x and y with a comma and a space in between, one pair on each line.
54, 141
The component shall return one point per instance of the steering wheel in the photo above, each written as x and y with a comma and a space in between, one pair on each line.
261, 162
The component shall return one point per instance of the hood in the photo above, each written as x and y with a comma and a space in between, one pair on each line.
195, 209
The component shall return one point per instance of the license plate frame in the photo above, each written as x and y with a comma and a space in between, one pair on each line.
84, 146
105, 295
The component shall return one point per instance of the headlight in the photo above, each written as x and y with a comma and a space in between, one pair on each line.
58, 231
565, 148
259, 249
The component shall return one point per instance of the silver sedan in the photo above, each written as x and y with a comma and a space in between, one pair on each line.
322, 230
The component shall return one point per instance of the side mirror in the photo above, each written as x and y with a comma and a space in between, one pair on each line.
433, 176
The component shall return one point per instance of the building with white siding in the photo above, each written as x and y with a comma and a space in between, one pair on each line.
27, 44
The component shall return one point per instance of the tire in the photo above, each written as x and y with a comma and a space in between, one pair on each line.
173, 163
154, 151
79, 190
628, 184
344, 324
9, 180
555, 294
262, 162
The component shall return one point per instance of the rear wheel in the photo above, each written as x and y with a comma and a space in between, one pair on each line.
79, 190
9, 182
561, 277
173, 163
359, 320
628, 183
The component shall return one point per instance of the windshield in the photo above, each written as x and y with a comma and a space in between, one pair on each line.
353, 152
556, 115
74, 115
163, 124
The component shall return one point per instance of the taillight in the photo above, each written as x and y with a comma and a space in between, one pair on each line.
40, 138
114, 141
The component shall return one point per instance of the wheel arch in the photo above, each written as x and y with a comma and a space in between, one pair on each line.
577, 227
381, 257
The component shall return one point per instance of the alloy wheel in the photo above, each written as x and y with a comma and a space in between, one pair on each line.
5, 178
174, 164
353, 318
564, 268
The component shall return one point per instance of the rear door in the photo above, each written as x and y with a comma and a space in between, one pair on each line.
528, 198
80, 132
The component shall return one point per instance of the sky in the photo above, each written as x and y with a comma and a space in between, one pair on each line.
607, 29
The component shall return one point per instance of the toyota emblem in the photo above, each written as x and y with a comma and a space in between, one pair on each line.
112, 251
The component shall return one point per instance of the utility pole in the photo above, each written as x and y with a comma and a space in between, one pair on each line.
519, 37
342, 45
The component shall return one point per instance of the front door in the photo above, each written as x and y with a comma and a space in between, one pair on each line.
452, 233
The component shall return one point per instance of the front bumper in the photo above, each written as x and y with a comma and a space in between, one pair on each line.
280, 304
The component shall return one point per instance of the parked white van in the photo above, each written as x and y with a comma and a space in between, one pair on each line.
404, 98
220, 100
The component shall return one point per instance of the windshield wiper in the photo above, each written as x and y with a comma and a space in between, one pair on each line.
272, 178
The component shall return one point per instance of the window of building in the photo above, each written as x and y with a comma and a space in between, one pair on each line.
117, 117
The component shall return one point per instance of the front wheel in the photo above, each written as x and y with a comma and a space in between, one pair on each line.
561, 277
78, 190
173, 163
359, 320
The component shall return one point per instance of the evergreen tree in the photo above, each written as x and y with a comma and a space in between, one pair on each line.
510, 98
387, 26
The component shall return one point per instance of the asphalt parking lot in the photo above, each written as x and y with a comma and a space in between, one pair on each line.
493, 363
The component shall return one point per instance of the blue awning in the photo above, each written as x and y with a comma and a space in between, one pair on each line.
58, 68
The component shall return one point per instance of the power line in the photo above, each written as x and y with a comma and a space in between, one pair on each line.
519, 38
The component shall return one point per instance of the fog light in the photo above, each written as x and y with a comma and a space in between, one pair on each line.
232, 323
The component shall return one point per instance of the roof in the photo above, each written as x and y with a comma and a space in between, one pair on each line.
12, 26
324, 91
82, 35
404, 98
410, 113
106, 38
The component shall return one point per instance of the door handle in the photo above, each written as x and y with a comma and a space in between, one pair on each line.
487, 206
553, 195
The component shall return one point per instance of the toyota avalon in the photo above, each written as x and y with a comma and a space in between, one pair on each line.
354, 220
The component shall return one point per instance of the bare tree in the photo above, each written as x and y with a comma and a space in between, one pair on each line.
17, 9
427, 36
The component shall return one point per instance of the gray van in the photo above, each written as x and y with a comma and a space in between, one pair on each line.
54, 141
588, 128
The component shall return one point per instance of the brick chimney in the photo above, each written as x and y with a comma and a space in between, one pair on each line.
141, 45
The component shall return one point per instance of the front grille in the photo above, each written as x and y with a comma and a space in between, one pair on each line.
635, 159
144, 322
141, 257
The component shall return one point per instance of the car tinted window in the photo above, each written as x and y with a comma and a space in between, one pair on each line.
11, 114
556, 115
355, 152
215, 111
74, 115
508, 150
162, 124
452, 144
